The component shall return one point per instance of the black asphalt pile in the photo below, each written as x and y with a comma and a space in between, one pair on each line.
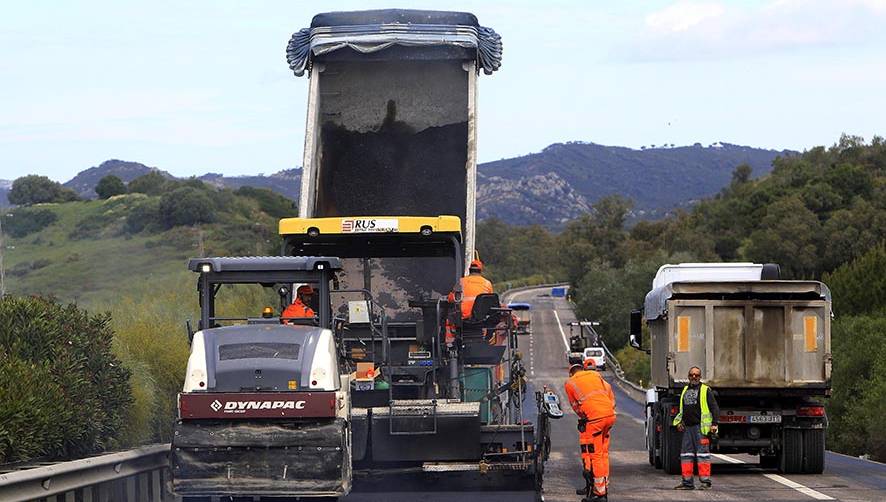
394, 171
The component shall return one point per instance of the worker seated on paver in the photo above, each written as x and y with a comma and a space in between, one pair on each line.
472, 285
592, 400
300, 307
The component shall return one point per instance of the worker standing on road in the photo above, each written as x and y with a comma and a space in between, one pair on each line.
593, 401
697, 420
300, 308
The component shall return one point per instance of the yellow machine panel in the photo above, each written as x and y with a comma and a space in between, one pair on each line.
370, 224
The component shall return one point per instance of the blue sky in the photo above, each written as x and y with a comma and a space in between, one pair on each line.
199, 86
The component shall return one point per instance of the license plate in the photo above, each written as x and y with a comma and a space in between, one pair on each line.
764, 419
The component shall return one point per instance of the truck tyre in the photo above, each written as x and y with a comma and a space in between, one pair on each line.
813, 451
650, 435
791, 458
670, 445
770, 461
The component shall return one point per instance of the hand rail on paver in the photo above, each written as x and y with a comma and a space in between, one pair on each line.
137, 474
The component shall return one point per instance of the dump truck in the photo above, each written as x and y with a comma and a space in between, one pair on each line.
763, 344
389, 186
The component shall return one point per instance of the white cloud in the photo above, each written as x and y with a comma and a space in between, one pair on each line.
715, 30
682, 16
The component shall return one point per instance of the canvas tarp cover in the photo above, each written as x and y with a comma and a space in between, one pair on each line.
372, 31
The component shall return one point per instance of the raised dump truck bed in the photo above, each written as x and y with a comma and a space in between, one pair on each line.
391, 125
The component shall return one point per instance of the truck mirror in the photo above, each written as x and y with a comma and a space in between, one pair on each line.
636, 329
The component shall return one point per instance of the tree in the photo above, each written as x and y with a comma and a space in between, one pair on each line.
859, 287
741, 174
34, 189
152, 183
186, 206
109, 186
787, 235
63, 392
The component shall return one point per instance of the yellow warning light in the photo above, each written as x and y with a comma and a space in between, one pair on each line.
267, 312
293, 385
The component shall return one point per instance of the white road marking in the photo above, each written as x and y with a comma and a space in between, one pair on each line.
560, 327
805, 490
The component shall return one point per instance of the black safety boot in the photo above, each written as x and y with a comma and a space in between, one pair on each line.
586, 491
595, 498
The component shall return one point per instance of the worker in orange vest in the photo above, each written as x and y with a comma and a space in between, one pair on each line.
300, 308
472, 285
592, 400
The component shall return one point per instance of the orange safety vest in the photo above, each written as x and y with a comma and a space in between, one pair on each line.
471, 286
298, 309
591, 397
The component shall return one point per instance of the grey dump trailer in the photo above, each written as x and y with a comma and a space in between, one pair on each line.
763, 345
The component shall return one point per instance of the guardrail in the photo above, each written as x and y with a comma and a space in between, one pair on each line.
137, 475
513, 291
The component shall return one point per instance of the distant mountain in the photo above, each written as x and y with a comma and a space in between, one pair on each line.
286, 182
549, 187
85, 181
656, 179
540, 198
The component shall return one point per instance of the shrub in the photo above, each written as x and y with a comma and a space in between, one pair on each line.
27, 220
186, 206
90, 227
152, 183
34, 189
62, 392
270, 202
144, 216
635, 364
109, 186
152, 343
858, 402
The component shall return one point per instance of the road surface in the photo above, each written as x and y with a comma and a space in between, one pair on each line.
735, 477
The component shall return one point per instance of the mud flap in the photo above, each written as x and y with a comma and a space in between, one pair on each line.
261, 458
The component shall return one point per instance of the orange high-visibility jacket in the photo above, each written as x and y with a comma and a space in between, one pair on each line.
590, 396
298, 309
471, 286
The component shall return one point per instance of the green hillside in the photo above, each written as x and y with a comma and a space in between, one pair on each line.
94, 252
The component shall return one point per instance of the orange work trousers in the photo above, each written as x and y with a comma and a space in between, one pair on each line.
594, 444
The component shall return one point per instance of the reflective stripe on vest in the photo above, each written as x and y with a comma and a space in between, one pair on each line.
706, 419
582, 397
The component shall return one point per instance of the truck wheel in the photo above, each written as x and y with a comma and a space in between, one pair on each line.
769, 461
813, 451
670, 448
791, 458
650, 438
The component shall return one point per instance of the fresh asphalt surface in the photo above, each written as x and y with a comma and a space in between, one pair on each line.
735, 477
